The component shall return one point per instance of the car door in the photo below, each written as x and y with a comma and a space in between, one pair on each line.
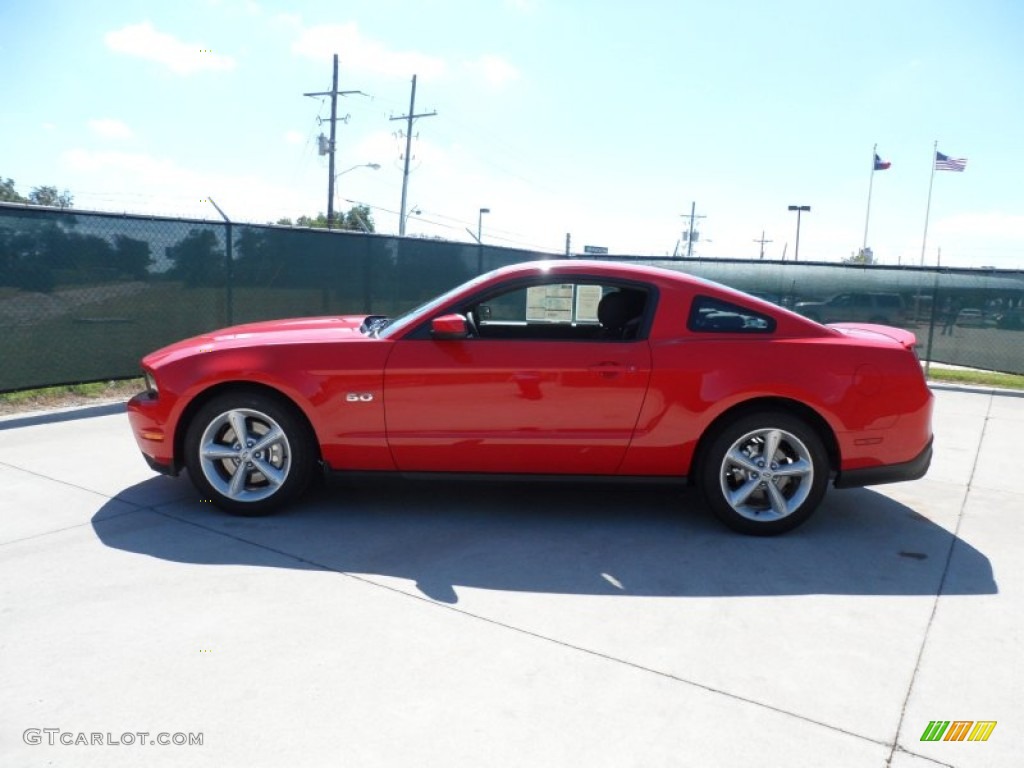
539, 394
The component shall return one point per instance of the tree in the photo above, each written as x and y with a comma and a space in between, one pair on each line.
863, 256
358, 219
132, 257
8, 194
38, 196
50, 196
198, 259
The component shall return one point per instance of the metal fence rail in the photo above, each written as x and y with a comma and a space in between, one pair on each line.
84, 295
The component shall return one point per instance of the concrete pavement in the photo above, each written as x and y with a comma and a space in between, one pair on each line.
445, 624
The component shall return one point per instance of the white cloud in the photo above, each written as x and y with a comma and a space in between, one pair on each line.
145, 42
109, 128
362, 54
990, 225
493, 69
162, 187
294, 137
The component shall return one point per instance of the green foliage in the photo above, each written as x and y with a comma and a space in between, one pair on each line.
357, 219
50, 196
38, 196
198, 259
8, 194
131, 257
981, 378
320, 222
862, 256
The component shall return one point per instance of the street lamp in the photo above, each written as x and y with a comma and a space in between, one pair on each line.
480, 224
372, 166
799, 209
414, 212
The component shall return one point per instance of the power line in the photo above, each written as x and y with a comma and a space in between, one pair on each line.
461, 224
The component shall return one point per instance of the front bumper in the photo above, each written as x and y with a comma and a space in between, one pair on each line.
149, 419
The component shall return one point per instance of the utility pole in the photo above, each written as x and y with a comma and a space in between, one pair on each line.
408, 148
762, 241
691, 235
799, 209
334, 93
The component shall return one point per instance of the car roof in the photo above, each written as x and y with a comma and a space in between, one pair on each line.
604, 268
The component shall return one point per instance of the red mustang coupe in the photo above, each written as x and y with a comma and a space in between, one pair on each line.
548, 368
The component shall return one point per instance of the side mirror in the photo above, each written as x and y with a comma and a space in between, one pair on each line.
449, 327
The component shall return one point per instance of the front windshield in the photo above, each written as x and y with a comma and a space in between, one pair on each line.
414, 316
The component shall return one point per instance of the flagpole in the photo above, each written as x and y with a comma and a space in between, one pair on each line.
928, 210
871, 182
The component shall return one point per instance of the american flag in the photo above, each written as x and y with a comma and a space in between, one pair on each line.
946, 163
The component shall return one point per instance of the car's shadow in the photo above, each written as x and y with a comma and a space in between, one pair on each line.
574, 538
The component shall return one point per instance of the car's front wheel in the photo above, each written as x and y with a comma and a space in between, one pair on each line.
248, 452
764, 473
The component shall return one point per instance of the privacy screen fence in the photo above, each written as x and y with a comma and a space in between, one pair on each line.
84, 295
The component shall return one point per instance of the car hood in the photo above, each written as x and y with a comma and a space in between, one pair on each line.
301, 330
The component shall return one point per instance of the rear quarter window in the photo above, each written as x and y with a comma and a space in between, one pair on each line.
711, 315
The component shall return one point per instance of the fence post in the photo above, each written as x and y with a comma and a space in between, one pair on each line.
931, 326
229, 270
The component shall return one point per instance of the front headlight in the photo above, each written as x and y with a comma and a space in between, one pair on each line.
150, 383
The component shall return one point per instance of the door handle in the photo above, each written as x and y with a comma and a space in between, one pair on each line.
608, 369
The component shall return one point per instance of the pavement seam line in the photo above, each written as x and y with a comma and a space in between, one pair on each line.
70, 485
102, 495
528, 633
942, 585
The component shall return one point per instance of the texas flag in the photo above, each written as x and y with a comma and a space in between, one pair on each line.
880, 164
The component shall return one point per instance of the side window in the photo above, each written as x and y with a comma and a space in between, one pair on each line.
583, 311
710, 315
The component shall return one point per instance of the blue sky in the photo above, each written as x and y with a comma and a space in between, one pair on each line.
600, 119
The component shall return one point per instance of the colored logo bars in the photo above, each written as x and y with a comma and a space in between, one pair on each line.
958, 730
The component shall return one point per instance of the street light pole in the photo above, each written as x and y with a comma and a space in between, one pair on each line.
414, 211
480, 224
799, 209
371, 166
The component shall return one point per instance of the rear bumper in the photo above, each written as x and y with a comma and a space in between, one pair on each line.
914, 469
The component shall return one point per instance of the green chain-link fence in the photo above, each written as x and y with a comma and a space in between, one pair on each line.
84, 295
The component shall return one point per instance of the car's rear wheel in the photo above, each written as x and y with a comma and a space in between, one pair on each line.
764, 473
248, 452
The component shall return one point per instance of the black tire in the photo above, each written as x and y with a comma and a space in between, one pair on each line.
739, 490
227, 474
